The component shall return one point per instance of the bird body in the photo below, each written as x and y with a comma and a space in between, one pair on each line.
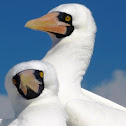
44, 109
72, 48
71, 56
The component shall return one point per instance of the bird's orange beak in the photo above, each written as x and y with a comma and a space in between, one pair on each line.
28, 81
48, 23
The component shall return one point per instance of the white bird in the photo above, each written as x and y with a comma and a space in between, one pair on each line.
32, 88
72, 30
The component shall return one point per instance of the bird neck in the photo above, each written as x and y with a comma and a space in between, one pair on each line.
19, 103
70, 58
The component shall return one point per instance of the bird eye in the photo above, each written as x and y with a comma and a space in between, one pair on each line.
67, 18
41, 74
14, 81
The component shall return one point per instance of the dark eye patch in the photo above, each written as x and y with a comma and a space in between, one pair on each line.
37, 75
62, 17
17, 79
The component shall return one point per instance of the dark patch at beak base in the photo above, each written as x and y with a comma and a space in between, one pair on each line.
30, 93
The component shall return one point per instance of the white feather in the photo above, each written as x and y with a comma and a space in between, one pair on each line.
85, 113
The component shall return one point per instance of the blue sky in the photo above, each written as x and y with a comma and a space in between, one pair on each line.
18, 44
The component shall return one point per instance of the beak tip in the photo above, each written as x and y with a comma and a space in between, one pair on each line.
30, 24
27, 25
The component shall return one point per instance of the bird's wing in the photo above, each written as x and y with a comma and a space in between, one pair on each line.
85, 113
101, 100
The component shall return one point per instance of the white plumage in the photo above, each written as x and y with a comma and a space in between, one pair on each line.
46, 109
70, 55
85, 113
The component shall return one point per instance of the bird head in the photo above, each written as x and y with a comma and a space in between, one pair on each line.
66, 20
31, 79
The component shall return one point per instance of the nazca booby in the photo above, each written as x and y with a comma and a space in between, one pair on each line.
72, 30
32, 88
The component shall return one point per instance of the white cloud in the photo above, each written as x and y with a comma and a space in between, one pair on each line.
6, 110
115, 88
